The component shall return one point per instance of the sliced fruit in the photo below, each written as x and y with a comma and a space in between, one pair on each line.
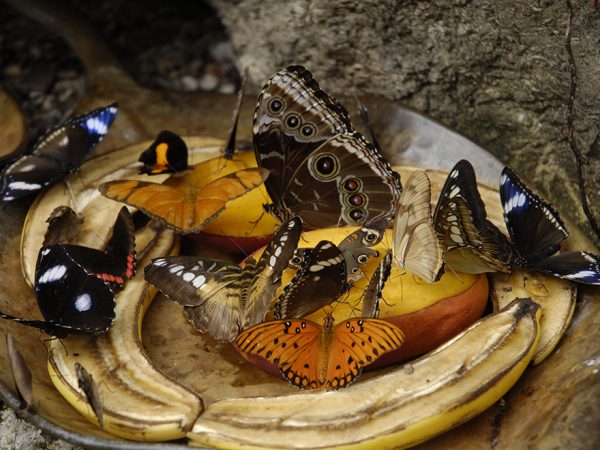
445, 388
556, 297
139, 402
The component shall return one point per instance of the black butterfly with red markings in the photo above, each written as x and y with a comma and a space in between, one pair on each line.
57, 153
75, 286
320, 168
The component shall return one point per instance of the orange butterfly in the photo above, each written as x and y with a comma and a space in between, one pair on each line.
189, 202
312, 356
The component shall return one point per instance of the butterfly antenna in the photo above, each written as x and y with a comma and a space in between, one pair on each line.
455, 273
71, 194
230, 147
363, 112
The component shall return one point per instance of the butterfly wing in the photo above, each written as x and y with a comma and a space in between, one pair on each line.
356, 248
293, 345
267, 275
68, 296
416, 247
209, 290
472, 243
167, 154
290, 98
57, 153
184, 205
121, 246
320, 168
535, 227
582, 267
372, 294
356, 343
320, 280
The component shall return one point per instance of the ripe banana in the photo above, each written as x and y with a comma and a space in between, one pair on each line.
556, 298
443, 389
139, 402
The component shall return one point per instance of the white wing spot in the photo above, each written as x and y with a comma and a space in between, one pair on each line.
175, 269
83, 303
188, 276
53, 274
199, 281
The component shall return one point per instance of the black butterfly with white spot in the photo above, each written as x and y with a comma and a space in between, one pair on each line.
356, 248
472, 244
223, 298
537, 231
320, 280
75, 285
57, 153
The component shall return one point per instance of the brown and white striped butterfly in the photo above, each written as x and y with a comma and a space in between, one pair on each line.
223, 298
373, 292
320, 168
471, 242
416, 247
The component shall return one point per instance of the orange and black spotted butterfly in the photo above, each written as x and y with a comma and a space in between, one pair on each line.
167, 154
312, 356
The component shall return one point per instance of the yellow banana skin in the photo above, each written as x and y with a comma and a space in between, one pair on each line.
443, 389
139, 402
556, 298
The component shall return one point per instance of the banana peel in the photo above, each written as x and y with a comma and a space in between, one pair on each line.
556, 297
435, 393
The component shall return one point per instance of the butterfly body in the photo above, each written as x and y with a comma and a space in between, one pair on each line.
320, 168
59, 152
311, 356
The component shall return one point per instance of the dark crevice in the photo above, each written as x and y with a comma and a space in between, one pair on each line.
580, 159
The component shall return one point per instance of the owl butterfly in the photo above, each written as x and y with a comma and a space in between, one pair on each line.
167, 154
373, 292
472, 243
312, 356
222, 298
536, 231
320, 168
355, 248
320, 280
59, 152
75, 285
416, 247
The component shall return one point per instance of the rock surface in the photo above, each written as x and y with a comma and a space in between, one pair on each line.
514, 76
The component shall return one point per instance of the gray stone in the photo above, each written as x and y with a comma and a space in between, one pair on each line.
498, 71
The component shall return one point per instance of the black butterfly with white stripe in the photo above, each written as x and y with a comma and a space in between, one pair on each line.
57, 153
75, 286
537, 231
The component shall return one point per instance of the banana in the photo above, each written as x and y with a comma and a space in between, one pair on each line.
556, 297
435, 393
139, 402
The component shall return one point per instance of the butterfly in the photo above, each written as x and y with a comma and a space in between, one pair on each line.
355, 248
472, 243
57, 153
536, 231
320, 280
415, 244
312, 356
222, 298
373, 292
167, 154
189, 202
75, 285
320, 168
